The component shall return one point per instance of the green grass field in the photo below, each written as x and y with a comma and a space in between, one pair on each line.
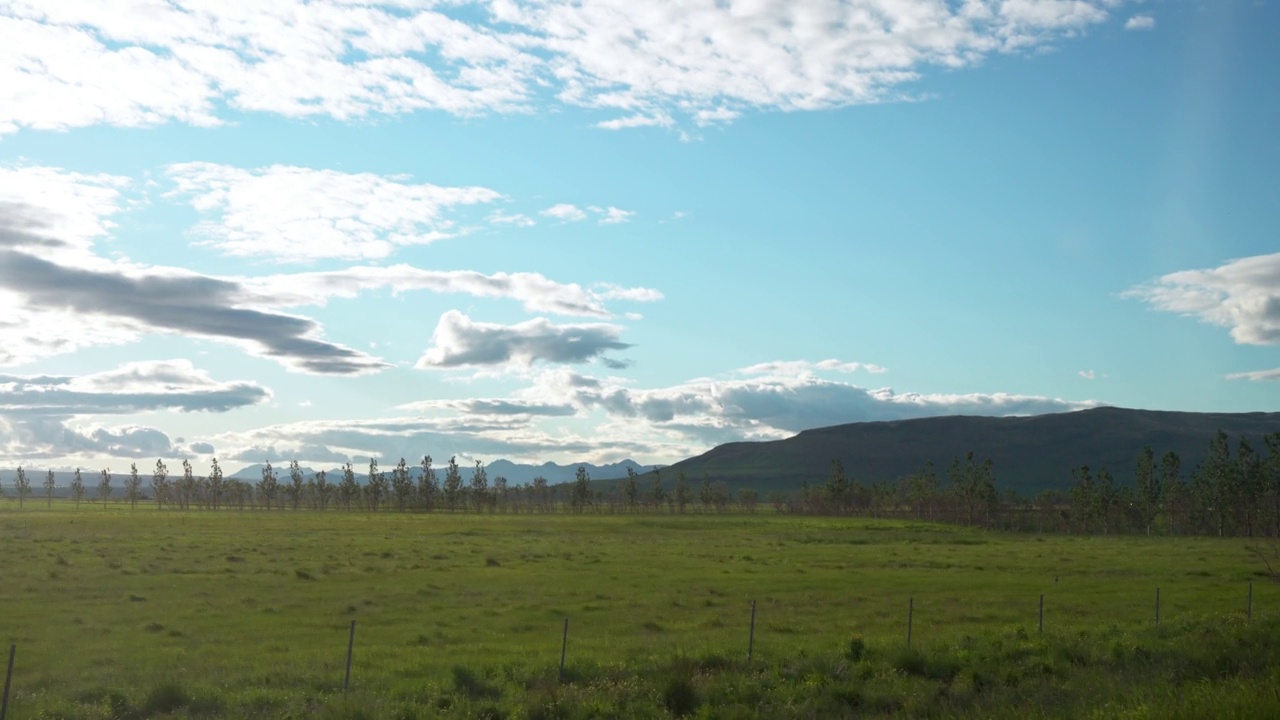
133, 614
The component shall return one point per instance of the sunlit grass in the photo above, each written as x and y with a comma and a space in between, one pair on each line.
120, 613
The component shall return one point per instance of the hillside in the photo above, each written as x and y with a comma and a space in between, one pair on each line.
1030, 453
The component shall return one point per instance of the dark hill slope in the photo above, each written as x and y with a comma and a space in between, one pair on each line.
1030, 453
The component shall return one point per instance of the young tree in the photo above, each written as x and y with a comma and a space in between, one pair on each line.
922, 488
402, 485
480, 500
631, 490
159, 483
1173, 489
48, 487
428, 485
542, 493
1150, 489
706, 498
294, 490
216, 484
133, 486
348, 490
749, 499
104, 487
269, 487
77, 488
1083, 499
838, 493
187, 485
375, 489
22, 485
452, 485
683, 495
1251, 486
501, 493
581, 496
657, 496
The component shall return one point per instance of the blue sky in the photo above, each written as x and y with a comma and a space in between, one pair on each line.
542, 231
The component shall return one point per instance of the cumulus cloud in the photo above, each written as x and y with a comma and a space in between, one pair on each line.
38, 413
301, 214
565, 212
458, 341
132, 387
1140, 22
776, 402
1243, 295
172, 301
37, 438
567, 416
67, 65
201, 448
57, 295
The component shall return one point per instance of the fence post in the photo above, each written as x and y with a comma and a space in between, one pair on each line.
1157, 606
351, 644
1041, 613
8, 676
911, 608
564, 645
1250, 613
751, 638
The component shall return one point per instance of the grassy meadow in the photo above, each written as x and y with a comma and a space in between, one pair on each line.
135, 614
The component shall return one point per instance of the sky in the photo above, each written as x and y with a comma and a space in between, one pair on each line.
605, 229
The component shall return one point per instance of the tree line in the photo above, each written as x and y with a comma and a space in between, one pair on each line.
1228, 494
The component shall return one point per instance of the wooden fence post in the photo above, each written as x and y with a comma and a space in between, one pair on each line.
564, 645
911, 608
8, 676
351, 644
751, 637
1041, 613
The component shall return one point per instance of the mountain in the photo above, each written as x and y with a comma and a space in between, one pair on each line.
517, 474
1029, 453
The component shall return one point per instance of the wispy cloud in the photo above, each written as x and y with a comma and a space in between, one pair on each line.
1256, 375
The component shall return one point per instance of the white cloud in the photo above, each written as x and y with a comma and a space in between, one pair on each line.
1088, 374
1256, 375
301, 214
57, 295
69, 208
565, 212
458, 341
516, 219
1140, 22
75, 64
612, 215
1243, 295
793, 368
534, 291
636, 121
129, 388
